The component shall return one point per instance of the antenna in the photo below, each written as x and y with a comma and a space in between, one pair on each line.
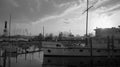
89, 7
43, 32
5, 29
10, 25
9, 38
87, 15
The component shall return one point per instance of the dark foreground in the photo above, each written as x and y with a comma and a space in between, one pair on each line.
38, 60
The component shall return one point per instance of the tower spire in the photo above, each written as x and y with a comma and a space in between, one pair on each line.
5, 29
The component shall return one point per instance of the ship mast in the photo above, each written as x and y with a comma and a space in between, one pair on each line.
10, 26
87, 19
43, 33
9, 59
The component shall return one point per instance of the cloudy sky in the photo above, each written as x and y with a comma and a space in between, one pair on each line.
58, 15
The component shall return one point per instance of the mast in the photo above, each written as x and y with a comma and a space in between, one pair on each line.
5, 29
9, 59
87, 15
10, 26
87, 19
43, 32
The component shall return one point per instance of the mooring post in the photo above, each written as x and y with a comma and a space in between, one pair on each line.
16, 58
112, 46
25, 54
4, 59
108, 45
91, 52
86, 41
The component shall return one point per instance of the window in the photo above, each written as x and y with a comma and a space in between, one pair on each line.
115, 51
81, 50
58, 45
98, 50
49, 51
49, 61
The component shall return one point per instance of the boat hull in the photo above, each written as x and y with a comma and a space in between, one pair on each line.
52, 49
80, 52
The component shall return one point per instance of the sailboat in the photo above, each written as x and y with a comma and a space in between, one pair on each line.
8, 47
93, 46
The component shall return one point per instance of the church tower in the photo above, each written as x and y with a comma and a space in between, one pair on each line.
5, 29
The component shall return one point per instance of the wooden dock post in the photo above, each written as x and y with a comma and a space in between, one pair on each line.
91, 52
4, 59
108, 46
86, 41
112, 46
25, 54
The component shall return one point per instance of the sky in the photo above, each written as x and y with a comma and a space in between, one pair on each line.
29, 16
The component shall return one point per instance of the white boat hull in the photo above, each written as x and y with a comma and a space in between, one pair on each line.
79, 52
52, 49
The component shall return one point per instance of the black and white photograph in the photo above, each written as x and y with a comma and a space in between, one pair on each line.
59, 33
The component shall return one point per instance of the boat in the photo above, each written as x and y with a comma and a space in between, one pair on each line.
105, 43
64, 49
95, 47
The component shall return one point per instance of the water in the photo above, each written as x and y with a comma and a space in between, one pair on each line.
28, 60
36, 59
80, 62
33, 59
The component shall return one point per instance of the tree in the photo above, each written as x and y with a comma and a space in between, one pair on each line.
90, 34
40, 36
49, 37
71, 35
60, 35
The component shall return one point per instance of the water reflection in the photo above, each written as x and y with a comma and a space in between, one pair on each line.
36, 59
80, 62
30, 57
24, 60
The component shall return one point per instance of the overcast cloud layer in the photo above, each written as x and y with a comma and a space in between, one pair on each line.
58, 15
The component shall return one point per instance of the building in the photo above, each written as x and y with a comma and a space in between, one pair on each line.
5, 29
105, 32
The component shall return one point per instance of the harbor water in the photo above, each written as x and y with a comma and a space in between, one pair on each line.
36, 58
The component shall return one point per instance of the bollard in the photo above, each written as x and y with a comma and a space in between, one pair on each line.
91, 52
108, 46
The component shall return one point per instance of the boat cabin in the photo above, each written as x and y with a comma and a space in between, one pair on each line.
52, 44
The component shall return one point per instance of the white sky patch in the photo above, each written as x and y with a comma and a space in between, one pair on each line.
101, 21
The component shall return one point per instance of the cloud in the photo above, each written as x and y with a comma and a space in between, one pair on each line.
71, 6
112, 9
42, 10
104, 7
74, 8
14, 3
108, 9
38, 4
